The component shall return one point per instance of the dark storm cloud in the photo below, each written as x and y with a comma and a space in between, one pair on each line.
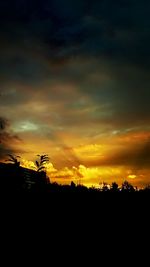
114, 30
110, 37
127, 95
117, 29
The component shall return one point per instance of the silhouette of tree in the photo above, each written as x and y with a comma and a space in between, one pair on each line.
114, 187
40, 164
17, 177
127, 187
73, 185
105, 187
147, 188
14, 159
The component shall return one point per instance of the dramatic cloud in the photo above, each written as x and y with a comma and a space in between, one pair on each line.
75, 81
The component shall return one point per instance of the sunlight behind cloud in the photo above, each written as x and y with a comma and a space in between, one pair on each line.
132, 176
25, 126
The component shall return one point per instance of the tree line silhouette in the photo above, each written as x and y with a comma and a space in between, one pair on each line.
23, 179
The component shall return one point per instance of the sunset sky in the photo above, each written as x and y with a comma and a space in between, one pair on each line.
75, 84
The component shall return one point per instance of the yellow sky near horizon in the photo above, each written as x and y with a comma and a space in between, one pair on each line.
90, 164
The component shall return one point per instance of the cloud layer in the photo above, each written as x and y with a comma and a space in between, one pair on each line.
75, 75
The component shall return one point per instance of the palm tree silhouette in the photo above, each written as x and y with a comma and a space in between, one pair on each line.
14, 159
41, 162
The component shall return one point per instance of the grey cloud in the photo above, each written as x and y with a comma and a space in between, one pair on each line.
101, 47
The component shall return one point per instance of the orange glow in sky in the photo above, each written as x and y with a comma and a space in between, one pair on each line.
75, 85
